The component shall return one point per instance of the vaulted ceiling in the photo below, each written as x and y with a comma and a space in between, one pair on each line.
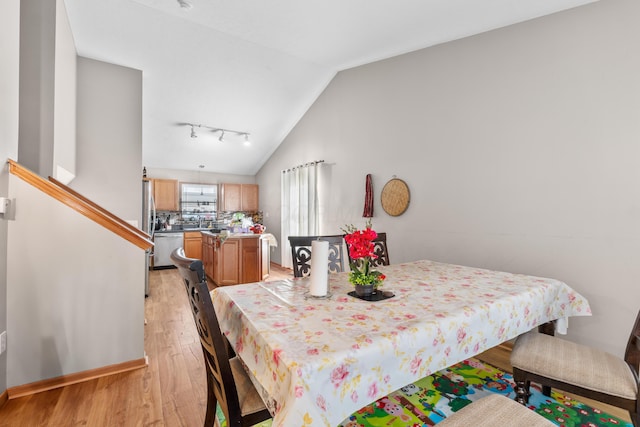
256, 66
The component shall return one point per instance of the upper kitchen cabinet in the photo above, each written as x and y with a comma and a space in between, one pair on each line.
165, 193
230, 197
238, 197
249, 197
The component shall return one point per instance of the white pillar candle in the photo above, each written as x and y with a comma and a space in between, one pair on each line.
319, 268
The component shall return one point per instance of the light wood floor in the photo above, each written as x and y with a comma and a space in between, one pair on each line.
170, 391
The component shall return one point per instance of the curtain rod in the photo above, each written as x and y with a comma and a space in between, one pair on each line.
303, 165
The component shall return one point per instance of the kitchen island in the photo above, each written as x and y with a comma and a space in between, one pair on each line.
238, 258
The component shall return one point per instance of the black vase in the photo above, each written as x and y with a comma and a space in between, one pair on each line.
364, 290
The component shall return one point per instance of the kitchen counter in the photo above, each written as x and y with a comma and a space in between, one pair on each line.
233, 235
235, 258
182, 230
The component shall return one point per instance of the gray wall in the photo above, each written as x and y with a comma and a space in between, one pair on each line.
199, 177
77, 302
72, 292
64, 131
9, 78
520, 147
75, 291
47, 89
37, 61
109, 169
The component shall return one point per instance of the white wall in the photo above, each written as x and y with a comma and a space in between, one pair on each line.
520, 147
9, 82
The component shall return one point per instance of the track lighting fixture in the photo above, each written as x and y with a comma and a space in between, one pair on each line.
185, 4
222, 131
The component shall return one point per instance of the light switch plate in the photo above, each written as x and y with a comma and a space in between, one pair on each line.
4, 205
3, 342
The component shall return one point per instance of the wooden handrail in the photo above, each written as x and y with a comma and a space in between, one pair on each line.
100, 209
83, 206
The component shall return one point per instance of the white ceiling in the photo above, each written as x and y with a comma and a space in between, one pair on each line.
257, 65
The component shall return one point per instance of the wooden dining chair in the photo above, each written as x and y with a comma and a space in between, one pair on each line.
495, 410
575, 368
380, 249
227, 381
301, 253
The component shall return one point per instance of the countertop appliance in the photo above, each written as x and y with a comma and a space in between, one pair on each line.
148, 225
165, 243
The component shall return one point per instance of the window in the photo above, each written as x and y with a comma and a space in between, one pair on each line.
198, 202
302, 198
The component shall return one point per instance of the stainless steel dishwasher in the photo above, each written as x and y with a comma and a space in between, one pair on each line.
165, 243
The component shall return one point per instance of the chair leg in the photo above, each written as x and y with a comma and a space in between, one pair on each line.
212, 403
522, 392
522, 386
546, 390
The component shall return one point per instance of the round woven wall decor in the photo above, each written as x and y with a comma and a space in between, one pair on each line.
395, 197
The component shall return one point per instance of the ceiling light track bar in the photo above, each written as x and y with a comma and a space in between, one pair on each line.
215, 129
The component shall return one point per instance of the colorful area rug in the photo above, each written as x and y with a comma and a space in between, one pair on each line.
431, 399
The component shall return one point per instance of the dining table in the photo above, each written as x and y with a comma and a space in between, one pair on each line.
316, 360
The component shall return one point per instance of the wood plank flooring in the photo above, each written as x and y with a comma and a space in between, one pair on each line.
170, 391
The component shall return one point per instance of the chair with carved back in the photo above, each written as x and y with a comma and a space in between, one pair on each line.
579, 369
495, 410
227, 381
301, 253
379, 249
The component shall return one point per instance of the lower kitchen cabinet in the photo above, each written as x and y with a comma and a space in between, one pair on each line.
192, 244
239, 259
208, 240
226, 263
255, 260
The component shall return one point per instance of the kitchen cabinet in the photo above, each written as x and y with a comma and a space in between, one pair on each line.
208, 241
165, 194
249, 197
192, 244
238, 197
255, 260
226, 262
238, 259
230, 197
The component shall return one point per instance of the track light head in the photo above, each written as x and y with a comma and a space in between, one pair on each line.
193, 132
185, 4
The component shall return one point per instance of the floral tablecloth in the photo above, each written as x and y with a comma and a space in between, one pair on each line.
322, 359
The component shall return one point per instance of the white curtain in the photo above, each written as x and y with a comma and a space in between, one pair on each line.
300, 197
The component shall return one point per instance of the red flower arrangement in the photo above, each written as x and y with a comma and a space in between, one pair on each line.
258, 228
361, 251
